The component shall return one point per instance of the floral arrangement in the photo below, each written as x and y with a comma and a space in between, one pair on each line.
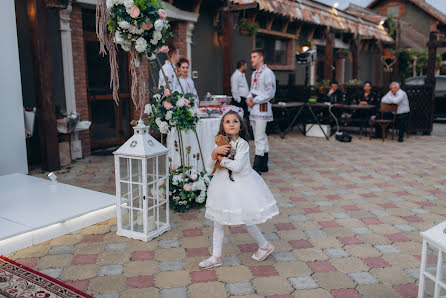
187, 188
138, 24
172, 109
248, 26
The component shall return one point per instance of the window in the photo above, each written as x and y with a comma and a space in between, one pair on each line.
393, 11
275, 49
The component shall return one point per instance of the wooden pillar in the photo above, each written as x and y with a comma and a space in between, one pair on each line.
432, 54
340, 69
356, 45
43, 76
329, 45
227, 26
378, 64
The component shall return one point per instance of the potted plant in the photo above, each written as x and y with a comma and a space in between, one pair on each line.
247, 27
342, 53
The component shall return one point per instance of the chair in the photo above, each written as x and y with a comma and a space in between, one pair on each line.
385, 107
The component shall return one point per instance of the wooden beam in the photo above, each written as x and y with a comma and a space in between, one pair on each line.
329, 46
298, 29
356, 45
269, 23
310, 34
378, 63
285, 26
366, 46
197, 6
43, 80
276, 33
236, 7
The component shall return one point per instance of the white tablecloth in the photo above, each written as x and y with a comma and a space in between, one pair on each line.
207, 129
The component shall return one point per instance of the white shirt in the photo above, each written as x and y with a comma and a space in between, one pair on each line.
239, 85
169, 70
188, 86
263, 89
400, 98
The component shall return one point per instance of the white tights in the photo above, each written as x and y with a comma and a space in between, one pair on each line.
219, 234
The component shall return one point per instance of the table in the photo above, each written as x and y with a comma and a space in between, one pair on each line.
207, 129
290, 111
434, 248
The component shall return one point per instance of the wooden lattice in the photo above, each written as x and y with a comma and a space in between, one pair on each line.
421, 108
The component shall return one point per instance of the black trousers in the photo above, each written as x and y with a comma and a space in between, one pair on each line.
242, 104
402, 120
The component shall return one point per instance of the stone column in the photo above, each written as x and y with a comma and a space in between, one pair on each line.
189, 29
340, 68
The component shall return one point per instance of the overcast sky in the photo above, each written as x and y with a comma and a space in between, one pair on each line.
438, 4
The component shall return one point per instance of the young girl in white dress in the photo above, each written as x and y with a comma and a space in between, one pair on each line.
186, 82
246, 200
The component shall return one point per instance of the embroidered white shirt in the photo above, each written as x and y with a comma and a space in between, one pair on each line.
239, 85
188, 86
169, 71
263, 89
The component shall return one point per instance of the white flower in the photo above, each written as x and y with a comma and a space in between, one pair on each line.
118, 38
126, 46
200, 199
169, 115
163, 127
154, 41
157, 35
141, 45
148, 109
135, 30
124, 25
128, 5
157, 97
180, 102
159, 24
200, 184
110, 3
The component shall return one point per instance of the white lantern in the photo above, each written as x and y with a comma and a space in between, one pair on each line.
142, 186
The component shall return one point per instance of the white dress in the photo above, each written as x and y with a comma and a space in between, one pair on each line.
188, 86
247, 199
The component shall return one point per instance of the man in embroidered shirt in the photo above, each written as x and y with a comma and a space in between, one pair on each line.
240, 89
170, 71
263, 89
399, 97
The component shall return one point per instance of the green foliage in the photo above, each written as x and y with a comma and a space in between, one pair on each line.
405, 62
392, 26
342, 52
251, 27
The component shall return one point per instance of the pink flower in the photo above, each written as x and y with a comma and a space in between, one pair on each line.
134, 13
187, 187
147, 26
186, 102
166, 92
162, 13
167, 105
193, 176
175, 167
164, 49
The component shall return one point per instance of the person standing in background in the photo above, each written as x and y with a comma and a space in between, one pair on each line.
240, 88
169, 70
186, 82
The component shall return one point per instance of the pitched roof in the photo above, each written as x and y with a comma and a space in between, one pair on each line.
317, 13
424, 6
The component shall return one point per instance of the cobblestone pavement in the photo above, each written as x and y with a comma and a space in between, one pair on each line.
349, 226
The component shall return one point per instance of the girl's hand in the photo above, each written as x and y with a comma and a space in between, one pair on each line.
221, 150
220, 157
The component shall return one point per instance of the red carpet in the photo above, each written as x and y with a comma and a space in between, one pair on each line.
17, 280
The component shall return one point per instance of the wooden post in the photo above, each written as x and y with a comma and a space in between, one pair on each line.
227, 26
356, 45
378, 63
43, 76
329, 45
432, 52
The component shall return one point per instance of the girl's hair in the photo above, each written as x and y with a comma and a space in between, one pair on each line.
183, 60
243, 133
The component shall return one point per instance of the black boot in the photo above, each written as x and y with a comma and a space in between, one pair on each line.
257, 166
265, 163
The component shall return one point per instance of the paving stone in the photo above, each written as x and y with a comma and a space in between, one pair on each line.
141, 268
313, 293
392, 276
172, 279
111, 295
363, 278
171, 266
174, 293
208, 289
271, 236
272, 285
316, 233
292, 269
233, 274
286, 205
333, 280
420, 211
351, 293
377, 291
380, 212
107, 284
298, 218
231, 261
405, 227
388, 249
107, 270
169, 254
303, 282
336, 252
284, 256
361, 230
169, 243
341, 215
240, 288
138, 293
53, 272
54, 261
116, 246
61, 249
349, 264
413, 272
323, 203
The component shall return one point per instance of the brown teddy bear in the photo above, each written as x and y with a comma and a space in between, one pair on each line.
222, 140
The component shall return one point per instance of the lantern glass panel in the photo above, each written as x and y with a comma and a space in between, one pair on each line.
125, 218
162, 214
443, 269
442, 292
431, 260
151, 170
137, 196
429, 288
124, 166
136, 168
162, 168
125, 193
162, 185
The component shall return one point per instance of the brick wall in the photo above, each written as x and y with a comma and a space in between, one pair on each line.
80, 78
179, 40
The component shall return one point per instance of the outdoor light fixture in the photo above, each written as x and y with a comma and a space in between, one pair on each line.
336, 4
381, 22
305, 48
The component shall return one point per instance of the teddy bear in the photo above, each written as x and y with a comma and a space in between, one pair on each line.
222, 140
